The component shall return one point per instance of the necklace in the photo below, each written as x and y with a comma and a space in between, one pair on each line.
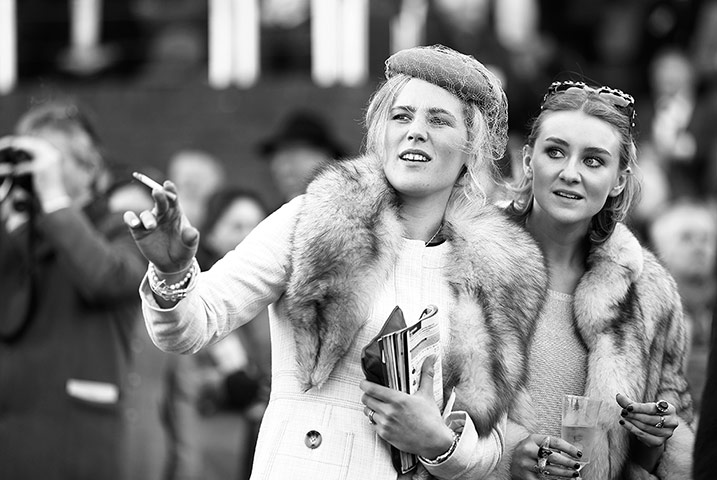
440, 225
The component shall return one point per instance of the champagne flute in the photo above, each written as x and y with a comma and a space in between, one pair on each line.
579, 424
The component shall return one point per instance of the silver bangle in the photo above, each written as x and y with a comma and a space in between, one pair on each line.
175, 291
444, 456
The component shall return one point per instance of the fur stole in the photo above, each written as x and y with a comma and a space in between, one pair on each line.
346, 239
628, 312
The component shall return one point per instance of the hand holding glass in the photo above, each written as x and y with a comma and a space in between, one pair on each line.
579, 426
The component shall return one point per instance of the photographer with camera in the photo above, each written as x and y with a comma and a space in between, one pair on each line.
69, 274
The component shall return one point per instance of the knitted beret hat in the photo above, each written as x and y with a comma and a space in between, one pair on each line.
462, 75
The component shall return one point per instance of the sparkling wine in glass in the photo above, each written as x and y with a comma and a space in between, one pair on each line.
579, 424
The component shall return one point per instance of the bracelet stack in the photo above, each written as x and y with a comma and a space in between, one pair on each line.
175, 291
444, 456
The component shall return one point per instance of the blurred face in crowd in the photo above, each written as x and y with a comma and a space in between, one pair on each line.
197, 175
78, 176
685, 238
239, 218
293, 166
575, 167
426, 139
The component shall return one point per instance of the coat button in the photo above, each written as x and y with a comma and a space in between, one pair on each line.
313, 439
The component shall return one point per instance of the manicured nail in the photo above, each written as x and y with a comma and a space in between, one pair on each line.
622, 422
576, 466
629, 408
623, 413
576, 474
580, 454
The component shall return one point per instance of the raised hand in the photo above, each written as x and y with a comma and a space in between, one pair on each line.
652, 422
163, 234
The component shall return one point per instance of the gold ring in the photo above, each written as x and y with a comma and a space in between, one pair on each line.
661, 423
370, 416
661, 406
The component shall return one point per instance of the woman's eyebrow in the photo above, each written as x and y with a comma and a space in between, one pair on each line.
441, 111
589, 150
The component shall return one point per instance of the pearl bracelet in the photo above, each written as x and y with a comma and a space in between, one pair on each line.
444, 456
175, 291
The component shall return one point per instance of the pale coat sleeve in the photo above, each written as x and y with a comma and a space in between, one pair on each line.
233, 292
475, 457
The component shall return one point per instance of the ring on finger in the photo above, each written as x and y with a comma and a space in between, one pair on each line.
661, 406
543, 452
371, 413
661, 423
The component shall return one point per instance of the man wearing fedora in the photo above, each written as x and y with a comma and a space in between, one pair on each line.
301, 145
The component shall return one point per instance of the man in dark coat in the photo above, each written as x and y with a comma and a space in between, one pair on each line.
68, 303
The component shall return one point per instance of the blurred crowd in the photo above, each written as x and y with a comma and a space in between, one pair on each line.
197, 417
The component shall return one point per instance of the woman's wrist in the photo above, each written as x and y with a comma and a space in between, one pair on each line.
174, 286
172, 277
645, 456
444, 450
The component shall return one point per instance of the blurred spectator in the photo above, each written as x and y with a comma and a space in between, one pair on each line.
197, 175
160, 389
297, 149
160, 398
684, 237
668, 120
234, 372
677, 145
70, 276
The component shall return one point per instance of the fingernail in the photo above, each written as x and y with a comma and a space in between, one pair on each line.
580, 454
623, 413
622, 422
629, 408
576, 466
576, 474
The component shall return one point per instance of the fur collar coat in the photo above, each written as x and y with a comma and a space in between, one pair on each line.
346, 240
628, 312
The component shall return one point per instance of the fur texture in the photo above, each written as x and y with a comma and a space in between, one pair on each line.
628, 312
347, 237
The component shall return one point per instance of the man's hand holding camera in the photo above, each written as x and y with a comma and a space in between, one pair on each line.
32, 173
